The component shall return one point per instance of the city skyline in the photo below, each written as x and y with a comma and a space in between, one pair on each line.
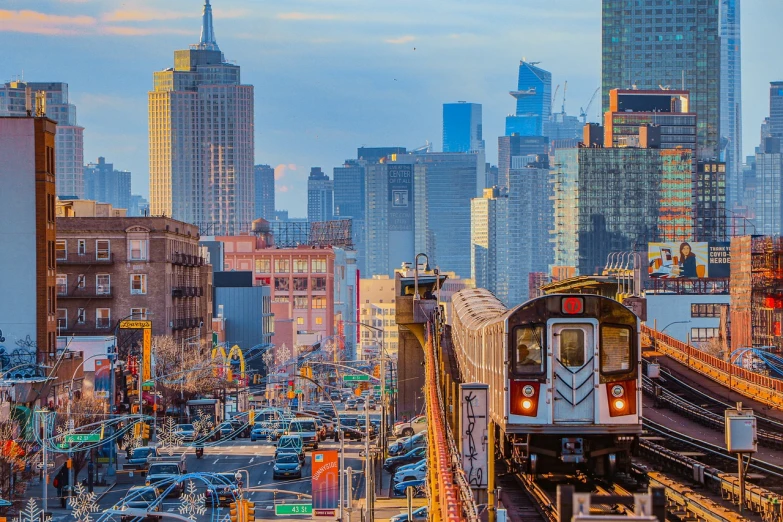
279, 54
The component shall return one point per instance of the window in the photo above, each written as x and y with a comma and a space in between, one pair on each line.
281, 284
572, 348
80, 315
138, 284
615, 349
319, 284
300, 266
319, 320
705, 310
102, 249
300, 320
81, 281
62, 318
263, 265
527, 356
281, 266
102, 317
61, 250
62, 284
82, 248
319, 266
703, 334
103, 284
281, 299
137, 250
138, 313
300, 284
319, 303
300, 302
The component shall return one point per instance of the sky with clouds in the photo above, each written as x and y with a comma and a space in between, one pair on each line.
333, 75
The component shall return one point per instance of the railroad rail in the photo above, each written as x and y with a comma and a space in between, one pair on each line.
761, 388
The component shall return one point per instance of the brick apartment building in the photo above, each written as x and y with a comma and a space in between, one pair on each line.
110, 268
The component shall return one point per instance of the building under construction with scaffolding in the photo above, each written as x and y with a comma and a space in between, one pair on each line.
756, 312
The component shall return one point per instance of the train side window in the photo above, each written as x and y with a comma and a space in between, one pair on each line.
572, 347
527, 356
615, 349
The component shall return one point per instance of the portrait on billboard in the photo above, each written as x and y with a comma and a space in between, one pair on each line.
688, 260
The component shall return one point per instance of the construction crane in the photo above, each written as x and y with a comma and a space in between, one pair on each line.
554, 96
565, 90
583, 112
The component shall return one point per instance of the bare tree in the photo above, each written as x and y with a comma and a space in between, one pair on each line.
85, 411
713, 346
18, 459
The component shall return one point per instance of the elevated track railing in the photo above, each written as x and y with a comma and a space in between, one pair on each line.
759, 387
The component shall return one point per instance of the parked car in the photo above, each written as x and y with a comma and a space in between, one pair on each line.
399, 489
140, 497
405, 444
222, 490
287, 465
291, 444
415, 425
419, 472
186, 432
419, 515
392, 463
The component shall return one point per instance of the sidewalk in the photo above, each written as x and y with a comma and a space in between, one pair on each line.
387, 506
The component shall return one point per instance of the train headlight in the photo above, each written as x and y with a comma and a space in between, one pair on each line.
528, 391
619, 404
527, 404
618, 391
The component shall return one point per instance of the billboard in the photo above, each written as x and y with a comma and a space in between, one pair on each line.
102, 378
400, 186
474, 419
325, 483
688, 260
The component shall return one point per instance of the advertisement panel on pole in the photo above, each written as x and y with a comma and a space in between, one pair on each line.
146, 350
688, 260
325, 483
102, 378
474, 420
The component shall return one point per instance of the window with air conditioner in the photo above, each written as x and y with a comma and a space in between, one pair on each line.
62, 284
103, 284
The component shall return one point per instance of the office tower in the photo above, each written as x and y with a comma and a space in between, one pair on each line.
618, 200
491, 176
462, 127
530, 222
139, 206
201, 139
15, 99
349, 203
774, 127
667, 46
490, 242
709, 201
561, 126
265, 192
28, 230
670, 111
516, 145
376, 154
320, 194
768, 205
731, 99
534, 101
104, 184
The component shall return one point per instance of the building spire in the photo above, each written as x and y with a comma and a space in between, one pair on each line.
207, 32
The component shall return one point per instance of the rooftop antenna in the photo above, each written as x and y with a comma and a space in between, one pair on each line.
28, 101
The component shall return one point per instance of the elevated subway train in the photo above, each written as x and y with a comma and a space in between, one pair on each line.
564, 376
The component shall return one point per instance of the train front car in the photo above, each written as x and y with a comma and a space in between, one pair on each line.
574, 384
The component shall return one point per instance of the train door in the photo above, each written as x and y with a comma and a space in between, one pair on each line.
573, 373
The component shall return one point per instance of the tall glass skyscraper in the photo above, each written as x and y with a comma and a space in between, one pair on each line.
201, 139
320, 194
349, 203
462, 127
534, 101
265, 192
660, 43
731, 98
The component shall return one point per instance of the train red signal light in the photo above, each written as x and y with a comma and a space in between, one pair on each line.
572, 305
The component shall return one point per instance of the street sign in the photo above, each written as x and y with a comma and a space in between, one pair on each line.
41, 466
148, 383
298, 392
377, 387
356, 377
293, 509
135, 325
83, 437
62, 445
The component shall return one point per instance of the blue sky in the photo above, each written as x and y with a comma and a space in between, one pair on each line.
333, 75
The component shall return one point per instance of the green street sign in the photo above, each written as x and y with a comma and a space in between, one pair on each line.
62, 445
356, 377
293, 509
298, 391
83, 437
148, 383
377, 387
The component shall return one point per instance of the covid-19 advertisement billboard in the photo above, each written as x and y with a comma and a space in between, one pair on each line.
325, 483
688, 260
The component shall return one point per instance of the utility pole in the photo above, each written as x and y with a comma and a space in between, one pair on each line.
70, 453
367, 473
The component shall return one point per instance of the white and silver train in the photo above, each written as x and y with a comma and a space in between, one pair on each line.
564, 376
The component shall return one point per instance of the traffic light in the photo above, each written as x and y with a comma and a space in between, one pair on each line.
250, 511
251, 417
303, 371
291, 393
310, 371
233, 512
145, 430
377, 372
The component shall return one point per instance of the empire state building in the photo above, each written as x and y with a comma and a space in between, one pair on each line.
201, 139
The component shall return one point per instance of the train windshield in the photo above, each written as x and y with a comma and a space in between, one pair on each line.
527, 356
615, 349
572, 347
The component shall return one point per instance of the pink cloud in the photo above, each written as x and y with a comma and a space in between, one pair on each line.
26, 21
147, 15
282, 188
141, 31
299, 16
401, 40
